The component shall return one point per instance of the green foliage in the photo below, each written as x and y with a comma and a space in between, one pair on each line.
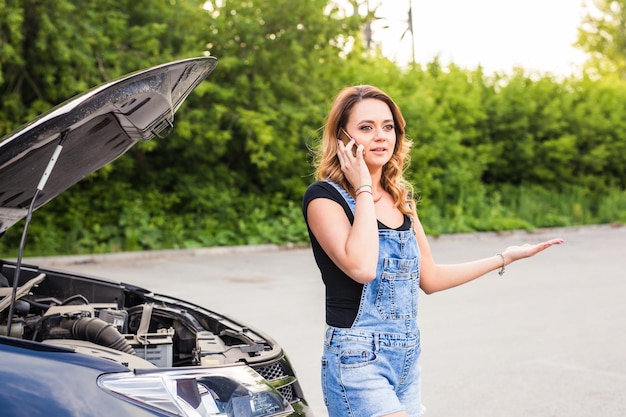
602, 35
516, 151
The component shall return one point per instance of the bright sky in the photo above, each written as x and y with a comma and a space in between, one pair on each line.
497, 34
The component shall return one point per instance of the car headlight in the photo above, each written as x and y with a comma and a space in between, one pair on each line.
233, 391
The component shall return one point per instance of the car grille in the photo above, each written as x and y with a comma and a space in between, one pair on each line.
275, 371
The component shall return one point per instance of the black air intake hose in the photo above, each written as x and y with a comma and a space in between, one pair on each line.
99, 331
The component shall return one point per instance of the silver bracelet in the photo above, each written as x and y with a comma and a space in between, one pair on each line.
502, 269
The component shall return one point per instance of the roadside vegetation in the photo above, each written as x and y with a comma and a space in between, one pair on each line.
491, 152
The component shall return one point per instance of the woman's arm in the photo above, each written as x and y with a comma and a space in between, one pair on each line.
353, 248
435, 277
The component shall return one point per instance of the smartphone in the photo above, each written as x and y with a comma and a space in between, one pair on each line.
345, 138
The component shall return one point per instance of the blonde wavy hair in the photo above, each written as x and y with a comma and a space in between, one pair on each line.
327, 162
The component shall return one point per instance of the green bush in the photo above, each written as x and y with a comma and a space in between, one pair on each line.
512, 151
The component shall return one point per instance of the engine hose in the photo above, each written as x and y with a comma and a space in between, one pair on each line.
99, 331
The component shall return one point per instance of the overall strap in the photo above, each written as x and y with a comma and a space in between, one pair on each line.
346, 196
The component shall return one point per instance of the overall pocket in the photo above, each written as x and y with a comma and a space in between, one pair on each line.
397, 294
355, 354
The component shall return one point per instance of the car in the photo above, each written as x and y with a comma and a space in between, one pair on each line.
79, 345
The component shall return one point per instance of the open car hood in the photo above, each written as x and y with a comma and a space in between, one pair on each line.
89, 131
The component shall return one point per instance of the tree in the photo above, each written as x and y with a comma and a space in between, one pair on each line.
602, 35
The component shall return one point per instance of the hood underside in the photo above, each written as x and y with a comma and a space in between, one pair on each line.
89, 131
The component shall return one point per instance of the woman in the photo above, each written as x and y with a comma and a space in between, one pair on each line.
374, 257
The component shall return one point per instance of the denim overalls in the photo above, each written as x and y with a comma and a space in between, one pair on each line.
371, 369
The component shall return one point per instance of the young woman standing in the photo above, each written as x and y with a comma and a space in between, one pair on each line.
374, 258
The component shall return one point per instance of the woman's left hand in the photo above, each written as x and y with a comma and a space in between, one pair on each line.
514, 253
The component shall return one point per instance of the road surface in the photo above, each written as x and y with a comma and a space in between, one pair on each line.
548, 338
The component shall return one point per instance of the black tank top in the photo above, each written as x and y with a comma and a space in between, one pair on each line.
343, 294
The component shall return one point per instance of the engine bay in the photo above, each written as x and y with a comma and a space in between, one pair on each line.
121, 322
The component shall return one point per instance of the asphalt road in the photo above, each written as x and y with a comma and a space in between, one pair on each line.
547, 339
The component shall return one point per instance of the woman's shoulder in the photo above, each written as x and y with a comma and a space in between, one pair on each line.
321, 189
324, 189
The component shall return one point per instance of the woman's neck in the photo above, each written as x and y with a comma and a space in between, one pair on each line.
376, 186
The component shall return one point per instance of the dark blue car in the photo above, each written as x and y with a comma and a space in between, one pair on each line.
75, 345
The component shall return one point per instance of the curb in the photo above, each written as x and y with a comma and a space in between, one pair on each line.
154, 254
222, 250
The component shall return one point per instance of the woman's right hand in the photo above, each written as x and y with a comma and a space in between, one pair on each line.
353, 164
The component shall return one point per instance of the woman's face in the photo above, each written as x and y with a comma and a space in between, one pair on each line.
371, 125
